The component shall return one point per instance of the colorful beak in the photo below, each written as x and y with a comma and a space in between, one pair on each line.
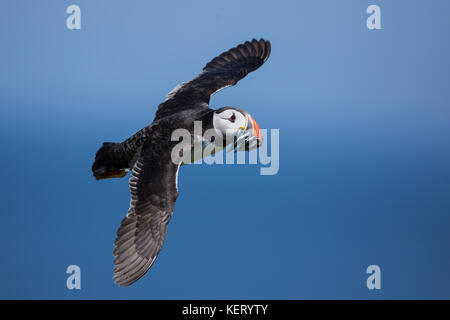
249, 138
252, 125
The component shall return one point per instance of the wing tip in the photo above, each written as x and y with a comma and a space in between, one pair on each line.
132, 273
241, 54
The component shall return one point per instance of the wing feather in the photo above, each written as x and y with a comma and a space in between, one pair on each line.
142, 232
223, 71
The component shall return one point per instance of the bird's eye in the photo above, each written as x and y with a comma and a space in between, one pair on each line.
232, 118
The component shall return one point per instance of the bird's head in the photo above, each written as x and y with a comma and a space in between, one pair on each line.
238, 127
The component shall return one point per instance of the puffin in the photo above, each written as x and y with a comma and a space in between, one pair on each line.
149, 154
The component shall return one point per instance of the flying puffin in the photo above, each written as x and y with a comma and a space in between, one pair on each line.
148, 154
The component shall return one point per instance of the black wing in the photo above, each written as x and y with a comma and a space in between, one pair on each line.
221, 72
153, 187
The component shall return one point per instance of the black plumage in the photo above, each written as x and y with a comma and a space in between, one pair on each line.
153, 181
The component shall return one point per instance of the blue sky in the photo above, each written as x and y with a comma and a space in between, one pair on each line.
364, 149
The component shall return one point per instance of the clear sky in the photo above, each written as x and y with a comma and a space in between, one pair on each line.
364, 148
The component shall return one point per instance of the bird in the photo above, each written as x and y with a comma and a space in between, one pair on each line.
153, 181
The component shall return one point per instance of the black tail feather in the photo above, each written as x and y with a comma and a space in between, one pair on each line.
110, 162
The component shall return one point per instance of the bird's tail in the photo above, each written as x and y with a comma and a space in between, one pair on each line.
110, 162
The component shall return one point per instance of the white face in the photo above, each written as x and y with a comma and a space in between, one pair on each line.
229, 121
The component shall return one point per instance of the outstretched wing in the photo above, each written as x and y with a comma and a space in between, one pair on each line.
221, 72
153, 187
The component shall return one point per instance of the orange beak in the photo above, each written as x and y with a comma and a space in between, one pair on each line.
256, 131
